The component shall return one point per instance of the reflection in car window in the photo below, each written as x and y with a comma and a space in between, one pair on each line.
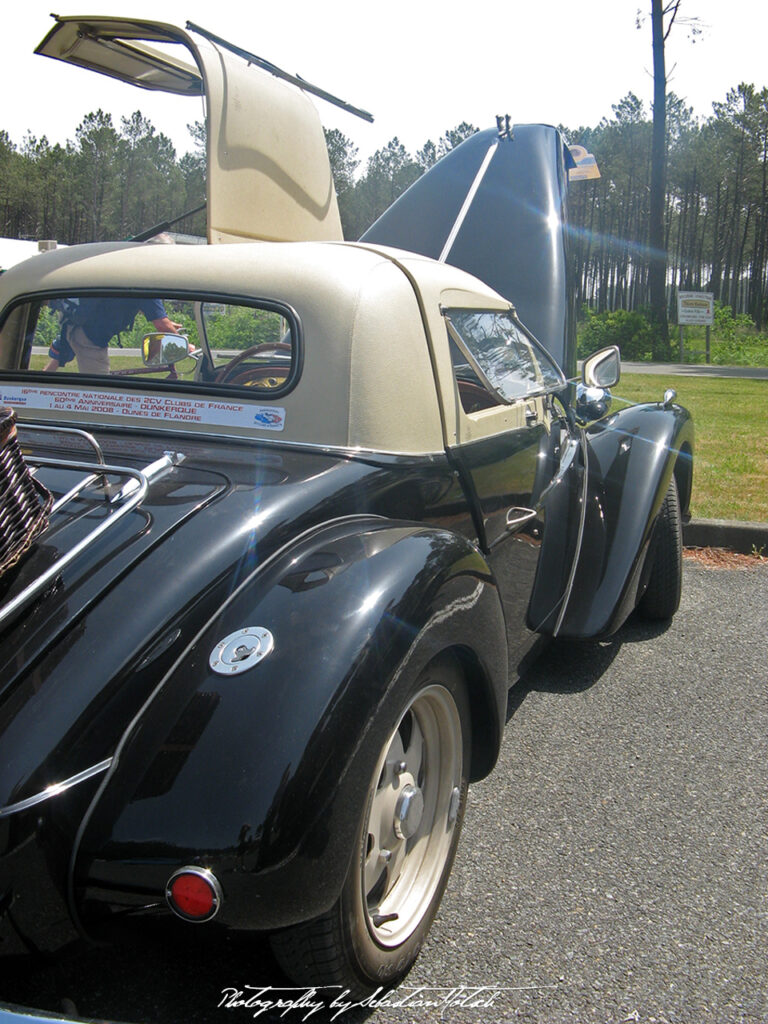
153, 337
501, 354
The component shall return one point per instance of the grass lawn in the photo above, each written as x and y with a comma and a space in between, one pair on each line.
730, 469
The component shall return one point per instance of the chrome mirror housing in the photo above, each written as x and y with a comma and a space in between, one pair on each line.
591, 403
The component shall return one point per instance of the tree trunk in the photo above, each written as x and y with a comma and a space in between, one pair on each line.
657, 264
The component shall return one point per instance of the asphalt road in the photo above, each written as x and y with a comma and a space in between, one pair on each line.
612, 869
696, 370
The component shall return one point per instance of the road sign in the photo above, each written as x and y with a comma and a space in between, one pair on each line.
695, 308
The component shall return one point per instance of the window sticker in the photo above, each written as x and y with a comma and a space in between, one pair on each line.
205, 412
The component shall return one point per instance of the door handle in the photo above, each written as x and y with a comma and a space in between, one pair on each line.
517, 516
531, 416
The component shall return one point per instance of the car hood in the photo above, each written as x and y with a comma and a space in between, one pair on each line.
79, 661
495, 206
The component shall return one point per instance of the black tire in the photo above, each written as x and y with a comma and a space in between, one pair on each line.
662, 595
374, 932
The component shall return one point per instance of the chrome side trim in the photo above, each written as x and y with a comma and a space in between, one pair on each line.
55, 789
251, 439
468, 202
566, 462
577, 552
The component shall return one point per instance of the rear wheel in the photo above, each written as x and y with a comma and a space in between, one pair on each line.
662, 595
409, 829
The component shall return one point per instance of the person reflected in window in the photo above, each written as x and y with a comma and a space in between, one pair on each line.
87, 330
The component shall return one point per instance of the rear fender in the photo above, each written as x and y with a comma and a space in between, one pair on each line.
262, 775
631, 457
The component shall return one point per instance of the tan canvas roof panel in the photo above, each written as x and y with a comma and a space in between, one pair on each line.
269, 176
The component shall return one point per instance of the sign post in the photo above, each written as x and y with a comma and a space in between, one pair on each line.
695, 308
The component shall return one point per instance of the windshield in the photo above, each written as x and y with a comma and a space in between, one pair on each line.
498, 350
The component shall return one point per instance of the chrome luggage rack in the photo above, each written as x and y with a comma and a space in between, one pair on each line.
120, 497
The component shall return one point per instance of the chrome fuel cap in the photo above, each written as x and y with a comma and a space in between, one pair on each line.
241, 650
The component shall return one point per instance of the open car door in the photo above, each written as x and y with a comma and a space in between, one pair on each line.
268, 173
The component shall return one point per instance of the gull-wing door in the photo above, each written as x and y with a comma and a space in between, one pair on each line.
269, 176
496, 207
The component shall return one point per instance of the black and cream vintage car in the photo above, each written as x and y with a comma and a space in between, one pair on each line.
271, 567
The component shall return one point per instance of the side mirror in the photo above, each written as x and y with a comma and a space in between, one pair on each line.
164, 349
602, 369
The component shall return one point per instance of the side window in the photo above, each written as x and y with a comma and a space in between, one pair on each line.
173, 339
492, 351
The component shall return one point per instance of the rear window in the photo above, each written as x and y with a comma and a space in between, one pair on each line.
177, 340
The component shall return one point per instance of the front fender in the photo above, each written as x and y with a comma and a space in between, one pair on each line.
262, 776
631, 457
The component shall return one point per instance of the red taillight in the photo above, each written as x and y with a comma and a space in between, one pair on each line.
194, 894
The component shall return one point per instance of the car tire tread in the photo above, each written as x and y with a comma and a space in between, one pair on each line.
662, 595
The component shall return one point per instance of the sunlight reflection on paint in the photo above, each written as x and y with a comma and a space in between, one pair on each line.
370, 602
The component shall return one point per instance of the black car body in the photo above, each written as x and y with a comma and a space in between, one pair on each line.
267, 636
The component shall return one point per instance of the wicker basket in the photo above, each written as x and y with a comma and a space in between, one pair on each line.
24, 502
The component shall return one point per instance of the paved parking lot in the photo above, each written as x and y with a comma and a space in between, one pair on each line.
613, 868
615, 865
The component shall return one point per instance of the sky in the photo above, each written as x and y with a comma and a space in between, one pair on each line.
416, 67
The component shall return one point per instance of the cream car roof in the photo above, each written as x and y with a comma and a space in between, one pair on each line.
439, 287
370, 378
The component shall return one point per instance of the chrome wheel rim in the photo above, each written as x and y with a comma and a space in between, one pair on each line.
412, 815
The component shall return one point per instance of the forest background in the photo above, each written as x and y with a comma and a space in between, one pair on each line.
114, 181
